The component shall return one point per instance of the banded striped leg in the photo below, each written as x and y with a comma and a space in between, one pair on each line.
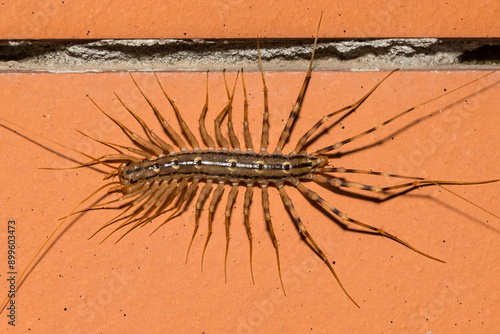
201, 121
229, 208
343, 170
143, 192
162, 201
223, 143
289, 205
205, 191
419, 182
246, 128
136, 192
170, 195
149, 192
147, 216
264, 139
113, 146
246, 213
160, 197
235, 143
187, 132
165, 198
213, 203
191, 189
178, 141
155, 150
302, 141
157, 200
267, 217
167, 148
362, 134
128, 192
300, 99
330, 208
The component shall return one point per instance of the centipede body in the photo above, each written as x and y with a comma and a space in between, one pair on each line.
239, 272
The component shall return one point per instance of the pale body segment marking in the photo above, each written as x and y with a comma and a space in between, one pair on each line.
232, 166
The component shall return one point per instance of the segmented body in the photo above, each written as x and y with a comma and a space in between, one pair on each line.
153, 174
224, 166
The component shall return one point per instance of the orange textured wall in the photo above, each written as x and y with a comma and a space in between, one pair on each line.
142, 284
68, 19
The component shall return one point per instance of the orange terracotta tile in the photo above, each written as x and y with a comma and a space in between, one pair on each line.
66, 19
142, 284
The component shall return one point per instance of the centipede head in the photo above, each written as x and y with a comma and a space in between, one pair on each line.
130, 173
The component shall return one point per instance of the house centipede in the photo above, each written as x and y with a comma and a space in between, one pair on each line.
159, 173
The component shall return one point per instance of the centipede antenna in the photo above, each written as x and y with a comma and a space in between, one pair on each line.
47, 139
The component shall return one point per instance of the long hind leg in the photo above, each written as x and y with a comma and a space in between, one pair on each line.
418, 182
330, 208
302, 229
302, 141
300, 99
339, 144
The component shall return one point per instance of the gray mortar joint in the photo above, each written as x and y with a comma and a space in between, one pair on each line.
201, 54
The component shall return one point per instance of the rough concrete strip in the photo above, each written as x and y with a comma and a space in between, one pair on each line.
280, 55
